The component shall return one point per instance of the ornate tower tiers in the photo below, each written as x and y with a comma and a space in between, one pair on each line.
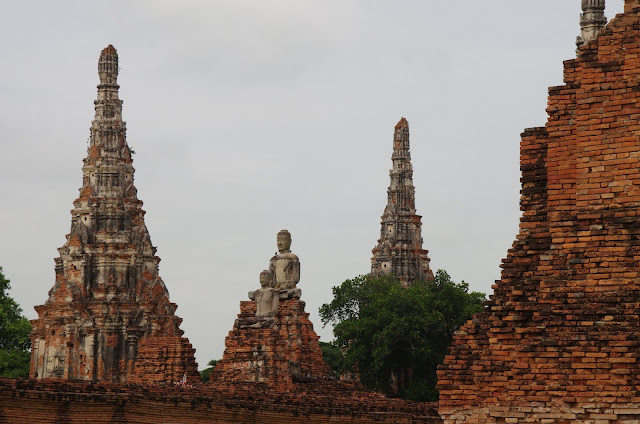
592, 20
108, 316
399, 250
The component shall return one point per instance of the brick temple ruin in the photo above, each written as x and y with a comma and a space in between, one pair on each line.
108, 316
273, 349
399, 251
107, 344
272, 341
559, 341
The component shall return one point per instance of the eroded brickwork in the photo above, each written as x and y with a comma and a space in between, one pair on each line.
274, 358
560, 339
277, 356
108, 316
55, 402
399, 251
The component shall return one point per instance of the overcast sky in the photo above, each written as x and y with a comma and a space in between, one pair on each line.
249, 116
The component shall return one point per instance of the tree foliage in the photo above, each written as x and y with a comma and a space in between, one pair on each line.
14, 335
395, 336
205, 374
332, 355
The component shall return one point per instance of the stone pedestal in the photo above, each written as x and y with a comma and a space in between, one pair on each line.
277, 356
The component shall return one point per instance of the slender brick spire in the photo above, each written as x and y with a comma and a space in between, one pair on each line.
592, 21
108, 316
399, 250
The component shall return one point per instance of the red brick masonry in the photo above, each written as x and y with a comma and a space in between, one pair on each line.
56, 402
560, 339
276, 356
108, 316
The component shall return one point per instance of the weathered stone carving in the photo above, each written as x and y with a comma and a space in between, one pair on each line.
267, 301
285, 267
592, 21
108, 316
272, 340
399, 251
267, 298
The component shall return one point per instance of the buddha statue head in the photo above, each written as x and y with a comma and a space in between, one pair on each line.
266, 279
284, 241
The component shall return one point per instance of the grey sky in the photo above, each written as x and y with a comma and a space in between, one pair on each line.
252, 116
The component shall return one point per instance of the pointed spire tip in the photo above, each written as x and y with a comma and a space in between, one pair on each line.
108, 65
403, 123
109, 50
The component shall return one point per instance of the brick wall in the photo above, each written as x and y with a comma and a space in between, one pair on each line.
559, 340
276, 356
56, 402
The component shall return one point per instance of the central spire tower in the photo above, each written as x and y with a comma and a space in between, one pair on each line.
592, 20
399, 250
108, 316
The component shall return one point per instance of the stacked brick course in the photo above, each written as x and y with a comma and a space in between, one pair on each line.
276, 362
559, 342
108, 316
277, 356
55, 402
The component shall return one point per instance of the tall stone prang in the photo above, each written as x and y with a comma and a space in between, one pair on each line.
592, 21
399, 250
108, 316
559, 341
272, 341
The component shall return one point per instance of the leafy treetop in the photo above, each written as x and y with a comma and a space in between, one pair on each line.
14, 335
395, 336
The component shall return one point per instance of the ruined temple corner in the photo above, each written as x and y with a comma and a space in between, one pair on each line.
558, 341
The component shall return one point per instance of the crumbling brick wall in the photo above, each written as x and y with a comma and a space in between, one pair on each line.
55, 402
559, 340
277, 356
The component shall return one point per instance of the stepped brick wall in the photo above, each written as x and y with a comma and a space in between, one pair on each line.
279, 365
277, 356
108, 315
559, 342
57, 401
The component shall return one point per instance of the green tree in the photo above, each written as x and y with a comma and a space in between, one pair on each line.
396, 337
14, 335
332, 355
206, 373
